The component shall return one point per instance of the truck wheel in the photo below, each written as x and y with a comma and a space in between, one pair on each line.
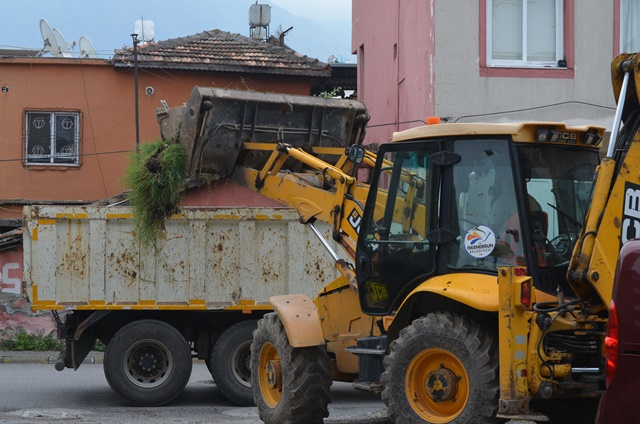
443, 368
290, 385
230, 362
147, 363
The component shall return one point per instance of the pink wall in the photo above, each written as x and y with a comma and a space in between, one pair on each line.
15, 311
395, 44
11, 271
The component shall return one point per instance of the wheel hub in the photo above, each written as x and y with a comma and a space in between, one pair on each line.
274, 374
241, 364
441, 385
147, 362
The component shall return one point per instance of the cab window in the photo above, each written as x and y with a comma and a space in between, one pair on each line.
485, 216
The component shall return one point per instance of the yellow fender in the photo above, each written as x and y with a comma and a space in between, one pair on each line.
299, 315
477, 291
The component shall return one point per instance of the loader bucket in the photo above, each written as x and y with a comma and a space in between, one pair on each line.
216, 122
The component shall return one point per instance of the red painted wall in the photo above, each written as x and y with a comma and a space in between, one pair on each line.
226, 193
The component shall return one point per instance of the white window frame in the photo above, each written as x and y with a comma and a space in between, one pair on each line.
523, 63
624, 6
53, 157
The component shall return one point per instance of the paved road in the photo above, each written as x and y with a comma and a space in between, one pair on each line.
36, 393
31, 391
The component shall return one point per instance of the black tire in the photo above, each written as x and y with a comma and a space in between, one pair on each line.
230, 362
453, 365
290, 385
147, 363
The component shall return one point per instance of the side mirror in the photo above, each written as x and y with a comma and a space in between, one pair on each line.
355, 153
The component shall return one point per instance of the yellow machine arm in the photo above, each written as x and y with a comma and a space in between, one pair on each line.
614, 213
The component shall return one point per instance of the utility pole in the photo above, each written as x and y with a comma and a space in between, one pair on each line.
135, 79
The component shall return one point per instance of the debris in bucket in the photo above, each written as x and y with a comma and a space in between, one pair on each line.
156, 176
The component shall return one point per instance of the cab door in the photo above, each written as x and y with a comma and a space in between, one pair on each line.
394, 252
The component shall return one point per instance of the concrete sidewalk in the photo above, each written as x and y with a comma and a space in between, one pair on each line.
44, 357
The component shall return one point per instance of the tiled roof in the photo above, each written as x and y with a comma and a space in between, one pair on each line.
221, 51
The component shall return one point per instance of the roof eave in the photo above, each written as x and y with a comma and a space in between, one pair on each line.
226, 68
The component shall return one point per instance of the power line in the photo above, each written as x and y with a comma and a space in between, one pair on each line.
536, 108
79, 155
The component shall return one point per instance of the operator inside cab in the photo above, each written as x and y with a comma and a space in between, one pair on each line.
552, 183
486, 207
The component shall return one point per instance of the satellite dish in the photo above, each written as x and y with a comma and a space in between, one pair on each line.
145, 29
62, 43
50, 42
86, 48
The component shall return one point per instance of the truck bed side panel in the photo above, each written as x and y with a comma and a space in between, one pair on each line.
88, 258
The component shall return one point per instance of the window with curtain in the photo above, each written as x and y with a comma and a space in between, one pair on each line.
525, 33
630, 26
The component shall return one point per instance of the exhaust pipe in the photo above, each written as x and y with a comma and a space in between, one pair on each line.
60, 362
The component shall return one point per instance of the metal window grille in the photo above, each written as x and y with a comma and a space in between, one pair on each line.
52, 138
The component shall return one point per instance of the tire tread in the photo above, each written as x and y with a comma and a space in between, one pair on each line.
305, 374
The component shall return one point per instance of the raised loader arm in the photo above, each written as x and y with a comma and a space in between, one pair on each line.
614, 211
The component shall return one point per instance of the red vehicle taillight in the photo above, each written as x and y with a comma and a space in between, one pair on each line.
525, 294
611, 343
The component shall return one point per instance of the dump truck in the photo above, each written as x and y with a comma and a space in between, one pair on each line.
196, 294
484, 253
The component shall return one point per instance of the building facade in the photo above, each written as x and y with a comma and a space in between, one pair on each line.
68, 124
489, 60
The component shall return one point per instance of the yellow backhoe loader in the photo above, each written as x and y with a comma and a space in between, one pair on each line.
478, 258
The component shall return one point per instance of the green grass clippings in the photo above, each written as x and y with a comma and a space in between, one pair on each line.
156, 177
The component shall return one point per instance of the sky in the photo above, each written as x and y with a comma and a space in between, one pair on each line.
320, 28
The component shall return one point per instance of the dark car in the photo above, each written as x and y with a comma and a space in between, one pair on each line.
621, 401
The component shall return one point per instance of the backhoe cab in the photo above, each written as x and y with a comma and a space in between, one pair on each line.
478, 258
487, 204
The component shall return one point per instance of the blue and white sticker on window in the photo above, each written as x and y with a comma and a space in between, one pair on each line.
480, 241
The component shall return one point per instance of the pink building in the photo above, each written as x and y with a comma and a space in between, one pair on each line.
489, 60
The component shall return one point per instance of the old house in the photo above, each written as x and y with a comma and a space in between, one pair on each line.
69, 123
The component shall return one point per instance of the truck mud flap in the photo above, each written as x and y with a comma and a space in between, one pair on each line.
82, 343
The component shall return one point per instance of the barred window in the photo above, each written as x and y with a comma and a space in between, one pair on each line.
52, 138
